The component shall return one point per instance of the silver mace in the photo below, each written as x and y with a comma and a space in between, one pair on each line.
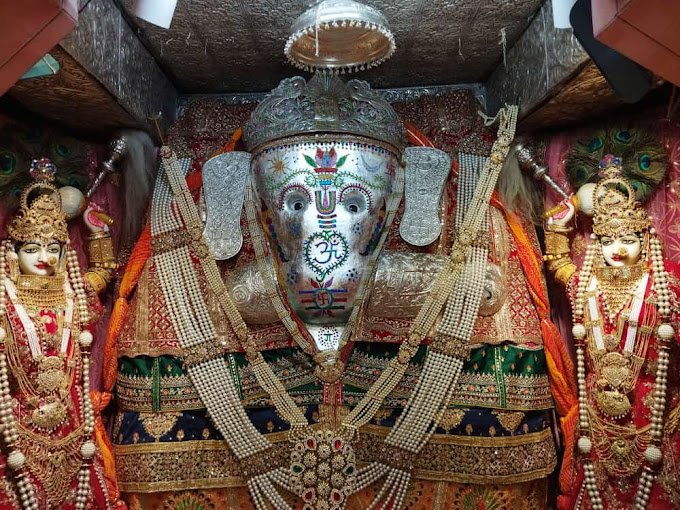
119, 149
526, 161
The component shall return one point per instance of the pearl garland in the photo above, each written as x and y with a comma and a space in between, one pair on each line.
459, 290
189, 315
16, 459
665, 333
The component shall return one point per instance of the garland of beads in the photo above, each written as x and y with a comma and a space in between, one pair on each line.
665, 334
414, 427
16, 459
211, 377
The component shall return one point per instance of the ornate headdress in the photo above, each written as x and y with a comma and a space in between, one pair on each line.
324, 104
616, 211
41, 218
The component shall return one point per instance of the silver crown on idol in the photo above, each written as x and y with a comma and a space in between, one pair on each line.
324, 104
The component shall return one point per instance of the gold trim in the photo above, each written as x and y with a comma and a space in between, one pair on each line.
527, 476
182, 485
485, 442
209, 456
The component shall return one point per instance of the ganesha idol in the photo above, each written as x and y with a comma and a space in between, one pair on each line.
317, 326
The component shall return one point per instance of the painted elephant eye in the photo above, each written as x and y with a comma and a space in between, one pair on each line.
296, 200
354, 202
355, 199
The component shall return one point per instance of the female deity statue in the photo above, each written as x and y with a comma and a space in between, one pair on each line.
625, 318
49, 458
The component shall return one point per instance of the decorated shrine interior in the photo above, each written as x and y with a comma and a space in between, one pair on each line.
117, 92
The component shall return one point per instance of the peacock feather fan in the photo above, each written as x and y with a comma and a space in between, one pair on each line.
644, 159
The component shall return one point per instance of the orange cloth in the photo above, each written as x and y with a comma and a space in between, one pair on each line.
560, 364
422, 495
138, 259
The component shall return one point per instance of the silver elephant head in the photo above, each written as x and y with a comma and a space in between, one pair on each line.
326, 157
323, 208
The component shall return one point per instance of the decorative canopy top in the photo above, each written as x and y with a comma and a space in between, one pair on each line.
325, 104
341, 36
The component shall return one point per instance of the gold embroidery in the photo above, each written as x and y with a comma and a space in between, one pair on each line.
471, 459
152, 467
451, 418
142, 308
158, 424
177, 393
509, 420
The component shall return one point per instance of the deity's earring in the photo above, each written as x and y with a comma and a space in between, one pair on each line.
426, 172
12, 263
224, 184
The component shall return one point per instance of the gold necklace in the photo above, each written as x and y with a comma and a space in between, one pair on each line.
41, 291
48, 390
617, 285
55, 462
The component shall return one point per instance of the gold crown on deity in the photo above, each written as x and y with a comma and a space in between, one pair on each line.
616, 212
41, 218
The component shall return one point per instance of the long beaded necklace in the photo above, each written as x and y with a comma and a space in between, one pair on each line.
16, 459
664, 333
173, 213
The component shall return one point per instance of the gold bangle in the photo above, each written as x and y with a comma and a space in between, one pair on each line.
556, 243
557, 264
96, 281
558, 229
101, 250
564, 273
99, 234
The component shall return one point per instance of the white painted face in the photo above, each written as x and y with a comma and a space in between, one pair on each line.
620, 251
38, 259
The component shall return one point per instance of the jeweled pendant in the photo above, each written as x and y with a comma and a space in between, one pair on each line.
612, 403
49, 416
323, 470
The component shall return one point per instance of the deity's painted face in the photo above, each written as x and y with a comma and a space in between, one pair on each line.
323, 208
620, 251
38, 258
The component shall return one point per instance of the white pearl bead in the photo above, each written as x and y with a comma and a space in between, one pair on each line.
3, 334
666, 332
584, 445
653, 454
85, 338
87, 449
16, 460
579, 331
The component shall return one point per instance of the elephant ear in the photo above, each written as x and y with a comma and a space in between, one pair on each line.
584, 158
644, 159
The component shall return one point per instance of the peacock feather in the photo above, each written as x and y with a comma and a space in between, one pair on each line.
644, 159
21, 142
